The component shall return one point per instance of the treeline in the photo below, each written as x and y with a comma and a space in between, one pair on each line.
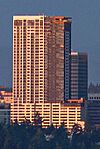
94, 88
27, 136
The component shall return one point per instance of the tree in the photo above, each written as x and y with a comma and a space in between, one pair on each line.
77, 136
38, 141
2, 135
8, 142
37, 120
61, 137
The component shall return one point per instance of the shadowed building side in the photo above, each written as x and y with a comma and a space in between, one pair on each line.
79, 75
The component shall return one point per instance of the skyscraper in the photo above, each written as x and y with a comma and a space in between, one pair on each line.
79, 75
41, 58
41, 70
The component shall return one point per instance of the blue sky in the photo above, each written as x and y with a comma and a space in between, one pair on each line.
85, 29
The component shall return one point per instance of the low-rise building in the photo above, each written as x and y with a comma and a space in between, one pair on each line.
4, 113
56, 113
93, 109
5, 101
6, 97
93, 96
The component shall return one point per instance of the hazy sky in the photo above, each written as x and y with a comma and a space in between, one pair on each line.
85, 29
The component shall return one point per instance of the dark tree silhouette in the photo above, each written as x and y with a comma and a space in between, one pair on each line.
77, 136
37, 120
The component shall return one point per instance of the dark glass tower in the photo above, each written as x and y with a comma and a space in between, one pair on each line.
79, 75
67, 61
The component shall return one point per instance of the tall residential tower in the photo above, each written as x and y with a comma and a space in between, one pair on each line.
41, 71
41, 58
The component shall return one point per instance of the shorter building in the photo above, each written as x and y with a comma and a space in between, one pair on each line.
79, 75
5, 101
93, 96
93, 109
56, 113
6, 97
4, 113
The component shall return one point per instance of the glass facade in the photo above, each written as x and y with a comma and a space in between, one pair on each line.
79, 75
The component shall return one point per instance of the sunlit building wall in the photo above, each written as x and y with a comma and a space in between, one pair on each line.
6, 97
41, 58
41, 69
51, 113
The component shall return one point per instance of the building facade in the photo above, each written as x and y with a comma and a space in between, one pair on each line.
51, 112
41, 70
5, 102
6, 97
93, 109
41, 62
94, 96
4, 113
79, 75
